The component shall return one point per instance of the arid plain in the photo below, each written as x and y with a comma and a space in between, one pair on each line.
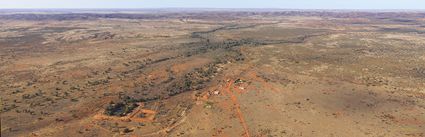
212, 73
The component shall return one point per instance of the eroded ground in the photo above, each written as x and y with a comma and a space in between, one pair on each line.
213, 74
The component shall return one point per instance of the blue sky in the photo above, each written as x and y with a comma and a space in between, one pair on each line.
287, 4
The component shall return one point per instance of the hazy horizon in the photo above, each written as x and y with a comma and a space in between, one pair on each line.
216, 4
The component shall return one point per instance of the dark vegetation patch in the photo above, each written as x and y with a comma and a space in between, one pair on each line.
32, 39
18, 29
97, 82
122, 108
103, 36
143, 64
402, 30
59, 29
194, 80
419, 72
26, 40
403, 20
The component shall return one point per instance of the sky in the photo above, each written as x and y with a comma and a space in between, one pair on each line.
283, 4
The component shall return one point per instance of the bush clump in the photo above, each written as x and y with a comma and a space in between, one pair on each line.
120, 108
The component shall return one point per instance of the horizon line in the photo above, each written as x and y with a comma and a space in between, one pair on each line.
209, 8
